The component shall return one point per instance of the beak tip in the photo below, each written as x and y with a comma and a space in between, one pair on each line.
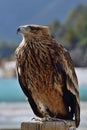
18, 30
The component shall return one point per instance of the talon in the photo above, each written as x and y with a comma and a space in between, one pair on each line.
33, 118
36, 119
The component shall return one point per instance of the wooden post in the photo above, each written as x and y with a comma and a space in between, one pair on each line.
55, 125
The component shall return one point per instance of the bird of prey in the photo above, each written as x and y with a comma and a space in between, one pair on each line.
46, 75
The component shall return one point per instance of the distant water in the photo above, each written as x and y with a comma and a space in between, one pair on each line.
10, 91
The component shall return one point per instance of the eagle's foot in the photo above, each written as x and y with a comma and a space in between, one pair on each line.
56, 119
48, 118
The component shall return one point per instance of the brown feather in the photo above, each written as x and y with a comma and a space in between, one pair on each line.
46, 74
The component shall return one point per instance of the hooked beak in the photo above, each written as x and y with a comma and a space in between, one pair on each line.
18, 30
23, 29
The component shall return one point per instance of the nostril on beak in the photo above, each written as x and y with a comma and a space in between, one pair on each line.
18, 30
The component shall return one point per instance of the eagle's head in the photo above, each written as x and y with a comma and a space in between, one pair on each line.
33, 30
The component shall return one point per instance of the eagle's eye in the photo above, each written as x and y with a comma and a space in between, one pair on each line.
32, 29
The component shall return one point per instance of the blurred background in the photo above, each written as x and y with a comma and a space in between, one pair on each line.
67, 21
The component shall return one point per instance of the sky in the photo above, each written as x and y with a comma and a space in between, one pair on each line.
14, 13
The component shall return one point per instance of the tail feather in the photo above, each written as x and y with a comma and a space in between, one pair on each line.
77, 115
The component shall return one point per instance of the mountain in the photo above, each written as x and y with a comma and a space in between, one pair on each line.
19, 12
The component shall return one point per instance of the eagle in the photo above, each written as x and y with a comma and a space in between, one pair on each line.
46, 75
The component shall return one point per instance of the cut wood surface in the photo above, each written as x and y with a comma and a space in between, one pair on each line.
55, 125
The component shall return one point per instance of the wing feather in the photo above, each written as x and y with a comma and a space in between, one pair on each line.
62, 57
28, 94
